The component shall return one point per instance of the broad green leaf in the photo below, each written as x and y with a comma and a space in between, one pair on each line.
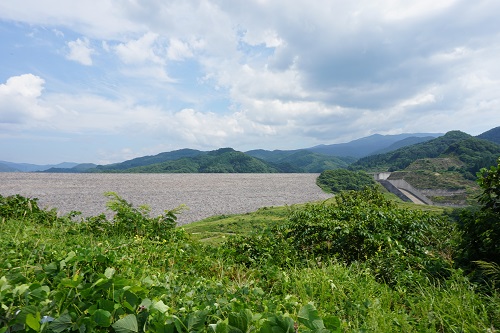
33, 322
308, 316
220, 327
61, 324
102, 318
332, 323
127, 324
69, 283
107, 305
110, 271
160, 306
240, 320
20, 289
50, 268
40, 293
146, 303
196, 321
278, 324
131, 299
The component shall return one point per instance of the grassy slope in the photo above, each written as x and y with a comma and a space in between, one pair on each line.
216, 229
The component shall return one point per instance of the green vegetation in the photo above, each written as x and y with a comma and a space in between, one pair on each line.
216, 229
224, 160
334, 181
227, 160
481, 228
448, 163
148, 160
301, 160
356, 263
492, 135
474, 153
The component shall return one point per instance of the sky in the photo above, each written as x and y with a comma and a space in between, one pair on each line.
103, 81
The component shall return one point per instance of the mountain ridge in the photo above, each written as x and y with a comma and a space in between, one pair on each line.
283, 160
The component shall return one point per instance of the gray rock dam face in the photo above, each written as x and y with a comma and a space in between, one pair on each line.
204, 195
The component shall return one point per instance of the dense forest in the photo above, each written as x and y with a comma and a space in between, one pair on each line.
224, 160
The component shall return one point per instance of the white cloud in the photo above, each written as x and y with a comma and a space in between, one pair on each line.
19, 100
25, 85
402, 10
178, 50
269, 38
219, 73
80, 51
142, 50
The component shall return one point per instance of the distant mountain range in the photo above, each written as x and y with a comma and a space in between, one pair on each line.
27, 167
372, 152
372, 144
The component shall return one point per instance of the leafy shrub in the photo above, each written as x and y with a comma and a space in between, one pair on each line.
19, 207
334, 181
260, 248
480, 228
363, 226
131, 221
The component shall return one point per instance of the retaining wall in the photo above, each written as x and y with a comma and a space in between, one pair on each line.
393, 186
400, 183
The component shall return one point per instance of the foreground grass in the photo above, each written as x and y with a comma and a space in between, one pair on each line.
180, 284
215, 229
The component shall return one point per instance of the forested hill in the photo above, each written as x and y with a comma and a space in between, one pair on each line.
492, 135
149, 160
228, 160
301, 160
473, 151
224, 160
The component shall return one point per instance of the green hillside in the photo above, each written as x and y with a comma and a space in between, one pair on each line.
227, 160
473, 152
273, 156
224, 160
307, 161
492, 135
149, 160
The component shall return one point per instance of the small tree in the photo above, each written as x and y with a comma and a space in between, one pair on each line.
489, 180
480, 229
335, 181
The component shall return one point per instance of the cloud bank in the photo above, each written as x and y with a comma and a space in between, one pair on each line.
158, 75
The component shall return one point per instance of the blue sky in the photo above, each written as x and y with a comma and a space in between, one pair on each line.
103, 81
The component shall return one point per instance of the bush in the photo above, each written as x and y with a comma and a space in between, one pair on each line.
365, 227
334, 181
480, 228
18, 207
131, 221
